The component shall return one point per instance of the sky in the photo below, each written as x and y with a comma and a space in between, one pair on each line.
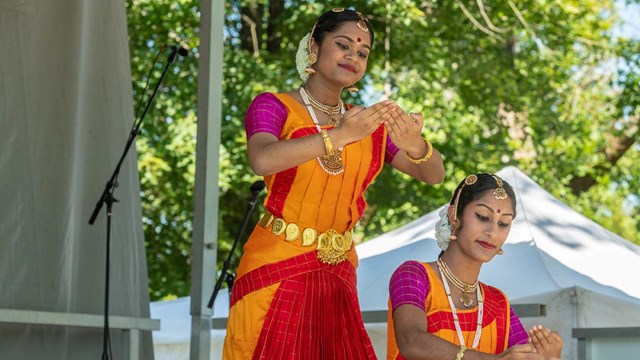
630, 14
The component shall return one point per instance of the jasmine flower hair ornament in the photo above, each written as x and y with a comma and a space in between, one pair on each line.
302, 58
443, 229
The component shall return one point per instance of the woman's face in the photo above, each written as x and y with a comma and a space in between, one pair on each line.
485, 226
343, 54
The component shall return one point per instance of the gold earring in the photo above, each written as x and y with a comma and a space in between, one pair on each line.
312, 59
453, 236
500, 252
353, 89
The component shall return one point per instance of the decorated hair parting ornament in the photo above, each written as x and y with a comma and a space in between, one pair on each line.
499, 193
362, 23
470, 180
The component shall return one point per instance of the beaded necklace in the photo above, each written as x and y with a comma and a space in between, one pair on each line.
332, 111
331, 163
466, 289
456, 321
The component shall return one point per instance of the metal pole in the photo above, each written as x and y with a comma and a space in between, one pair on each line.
205, 224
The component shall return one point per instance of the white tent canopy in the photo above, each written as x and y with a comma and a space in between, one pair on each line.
550, 247
585, 275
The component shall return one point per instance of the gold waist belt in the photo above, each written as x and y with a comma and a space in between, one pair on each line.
332, 246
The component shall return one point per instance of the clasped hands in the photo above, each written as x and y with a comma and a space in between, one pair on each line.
405, 130
544, 344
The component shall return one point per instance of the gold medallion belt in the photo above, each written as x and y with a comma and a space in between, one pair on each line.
332, 246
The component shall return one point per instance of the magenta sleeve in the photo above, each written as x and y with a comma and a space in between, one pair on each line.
517, 334
391, 151
409, 284
265, 114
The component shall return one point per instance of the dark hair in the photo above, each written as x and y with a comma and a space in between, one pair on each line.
330, 20
470, 193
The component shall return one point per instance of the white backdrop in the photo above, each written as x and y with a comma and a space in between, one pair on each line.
65, 113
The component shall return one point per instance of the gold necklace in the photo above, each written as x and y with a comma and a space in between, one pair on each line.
332, 111
330, 163
466, 289
454, 312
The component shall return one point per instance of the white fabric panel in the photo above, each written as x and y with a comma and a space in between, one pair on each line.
65, 114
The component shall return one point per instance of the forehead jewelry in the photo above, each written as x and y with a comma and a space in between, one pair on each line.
499, 193
362, 23
470, 180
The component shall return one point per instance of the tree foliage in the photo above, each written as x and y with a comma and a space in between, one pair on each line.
548, 86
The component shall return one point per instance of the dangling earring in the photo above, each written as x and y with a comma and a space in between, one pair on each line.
500, 252
453, 236
353, 89
311, 59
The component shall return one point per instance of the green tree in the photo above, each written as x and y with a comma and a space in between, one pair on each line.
545, 86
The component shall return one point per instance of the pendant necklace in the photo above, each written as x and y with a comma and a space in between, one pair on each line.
332, 111
466, 289
331, 163
456, 321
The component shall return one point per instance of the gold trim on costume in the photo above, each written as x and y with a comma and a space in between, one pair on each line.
292, 232
266, 220
332, 246
279, 226
309, 236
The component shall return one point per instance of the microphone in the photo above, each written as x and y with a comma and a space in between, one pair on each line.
225, 275
179, 49
257, 186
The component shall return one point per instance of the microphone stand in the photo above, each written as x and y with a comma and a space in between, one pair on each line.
225, 275
108, 198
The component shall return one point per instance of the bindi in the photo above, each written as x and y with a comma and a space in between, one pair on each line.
498, 211
359, 40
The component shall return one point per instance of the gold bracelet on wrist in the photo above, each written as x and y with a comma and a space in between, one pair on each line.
426, 157
328, 145
461, 352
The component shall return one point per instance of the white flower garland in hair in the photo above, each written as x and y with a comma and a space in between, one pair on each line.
301, 57
443, 229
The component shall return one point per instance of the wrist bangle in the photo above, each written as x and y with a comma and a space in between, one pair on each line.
426, 157
328, 145
461, 352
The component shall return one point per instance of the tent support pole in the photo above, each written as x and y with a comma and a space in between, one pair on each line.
205, 222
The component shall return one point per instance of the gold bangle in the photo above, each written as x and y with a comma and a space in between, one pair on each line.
328, 145
461, 352
426, 157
